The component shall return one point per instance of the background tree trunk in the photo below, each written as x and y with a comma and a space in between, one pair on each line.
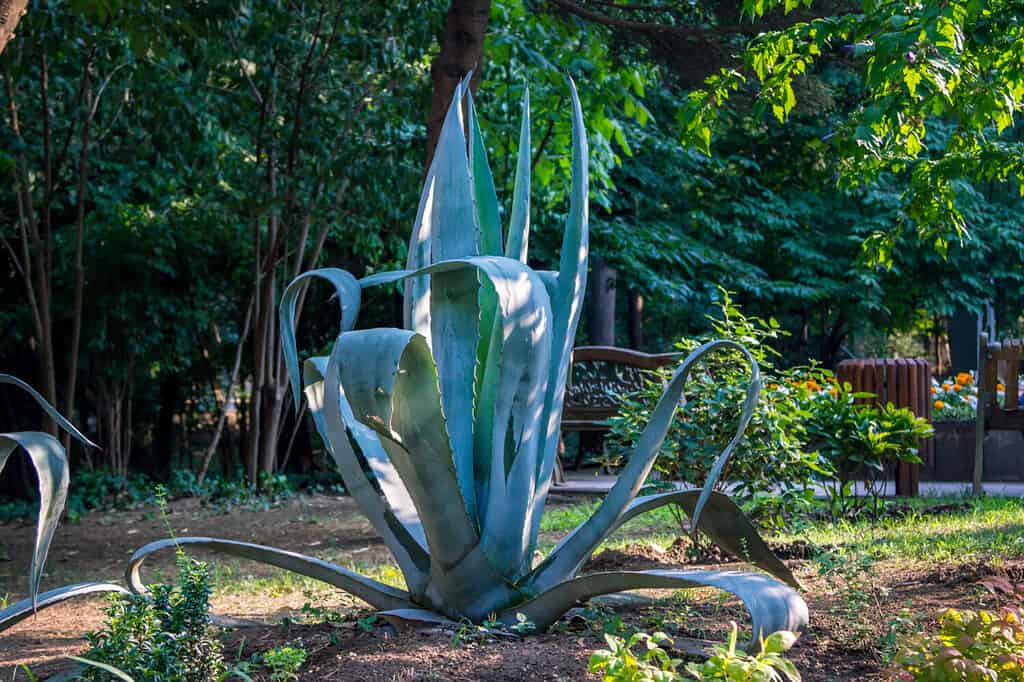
462, 49
10, 12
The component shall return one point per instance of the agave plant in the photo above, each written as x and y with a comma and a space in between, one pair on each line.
51, 464
446, 431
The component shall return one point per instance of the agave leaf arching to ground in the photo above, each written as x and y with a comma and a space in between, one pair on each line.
446, 432
51, 465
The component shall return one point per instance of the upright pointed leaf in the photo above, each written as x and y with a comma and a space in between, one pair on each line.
519, 221
566, 307
485, 198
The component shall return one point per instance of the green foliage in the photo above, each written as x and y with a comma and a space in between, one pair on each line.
284, 662
165, 636
619, 663
970, 645
771, 465
860, 442
921, 66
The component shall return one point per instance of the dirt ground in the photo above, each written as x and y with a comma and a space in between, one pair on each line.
97, 548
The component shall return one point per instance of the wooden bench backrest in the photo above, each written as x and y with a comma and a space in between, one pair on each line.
1000, 360
599, 375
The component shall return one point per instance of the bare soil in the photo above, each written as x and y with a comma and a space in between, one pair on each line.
97, 548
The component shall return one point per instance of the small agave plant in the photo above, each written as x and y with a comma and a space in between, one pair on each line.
51, 464
446, 431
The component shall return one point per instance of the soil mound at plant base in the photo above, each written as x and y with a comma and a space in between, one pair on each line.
683, 551
973, 572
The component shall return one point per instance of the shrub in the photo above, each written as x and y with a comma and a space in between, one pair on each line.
770, 463
619, 663
955, 399
859, 441
162, 636
981, 645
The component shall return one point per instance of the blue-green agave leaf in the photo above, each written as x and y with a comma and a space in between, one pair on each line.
519, 221
347, 289
374, 593
20, 610
562, 563
373, 453
109, 669
50, 410
566, 306
51, 467
772, 605
722, 521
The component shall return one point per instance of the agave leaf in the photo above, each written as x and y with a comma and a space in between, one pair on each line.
51, 466
374, 593
392, 385
400, 618
566, 306
484, 196
347, 289
772, 605
49, 409
509, 410
397, 521
20, 610
722, 521
109, 669
519, 222
562, 563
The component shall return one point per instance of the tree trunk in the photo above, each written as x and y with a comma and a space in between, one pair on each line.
462, 49
10, 12
635, 319
602, 303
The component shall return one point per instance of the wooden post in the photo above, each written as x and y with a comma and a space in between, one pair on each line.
979, 429
602, 303
635, 318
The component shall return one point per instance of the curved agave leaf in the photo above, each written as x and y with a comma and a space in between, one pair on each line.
395, 518
518, 242
391, 381
348, 291
772, 605
49, 409
51, 466
722, 521
374, 593
562, 563
21, 610
566, 304
509, 411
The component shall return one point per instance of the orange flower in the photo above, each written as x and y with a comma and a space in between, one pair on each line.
946, 387
834, 392
963, 378
939, 404
957, 387
1001, 387
934, 390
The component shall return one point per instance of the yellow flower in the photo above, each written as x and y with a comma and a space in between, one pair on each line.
939, 404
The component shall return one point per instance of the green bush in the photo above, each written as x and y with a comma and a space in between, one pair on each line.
165, 636
859, 442
982, 645
619, 663
771, 464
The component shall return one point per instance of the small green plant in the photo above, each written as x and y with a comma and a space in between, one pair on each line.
970, 645
859, 595
620, 663
284, 662
165, 635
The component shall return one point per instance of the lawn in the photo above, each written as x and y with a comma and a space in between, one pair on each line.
868, 583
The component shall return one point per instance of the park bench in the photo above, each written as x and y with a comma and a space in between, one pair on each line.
996, 360
598, 378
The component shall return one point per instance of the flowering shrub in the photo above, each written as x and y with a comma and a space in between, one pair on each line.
956, 398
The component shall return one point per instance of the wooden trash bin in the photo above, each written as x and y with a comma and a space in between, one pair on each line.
904, 383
